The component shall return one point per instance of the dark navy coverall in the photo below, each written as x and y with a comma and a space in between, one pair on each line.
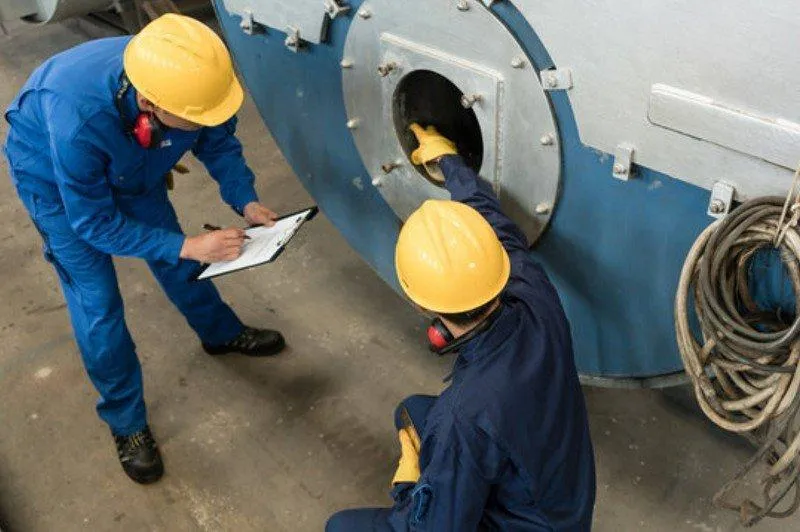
506, 446
92, 192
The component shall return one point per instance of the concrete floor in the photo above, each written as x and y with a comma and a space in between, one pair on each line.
275, 445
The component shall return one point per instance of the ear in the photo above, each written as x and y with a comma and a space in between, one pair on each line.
145, 104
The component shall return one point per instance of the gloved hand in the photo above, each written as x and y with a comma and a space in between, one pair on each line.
432, 146
408, 467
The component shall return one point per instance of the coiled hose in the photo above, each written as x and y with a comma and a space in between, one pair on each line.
744, 366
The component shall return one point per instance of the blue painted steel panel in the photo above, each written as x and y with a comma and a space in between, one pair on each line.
614, 249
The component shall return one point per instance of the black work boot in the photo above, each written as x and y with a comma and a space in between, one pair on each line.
139, 456
251, 342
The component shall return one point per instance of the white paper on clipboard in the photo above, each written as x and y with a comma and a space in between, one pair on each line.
264, 245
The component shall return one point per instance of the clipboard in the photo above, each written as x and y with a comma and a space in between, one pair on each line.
265, 245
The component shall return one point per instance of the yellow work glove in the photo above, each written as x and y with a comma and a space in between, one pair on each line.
408, 467
432, 146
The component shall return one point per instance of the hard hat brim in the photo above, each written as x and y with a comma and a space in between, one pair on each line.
221, 113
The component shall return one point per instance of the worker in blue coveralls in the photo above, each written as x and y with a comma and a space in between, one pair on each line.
506, 446
94, 134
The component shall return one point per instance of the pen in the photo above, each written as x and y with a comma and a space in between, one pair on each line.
209, 227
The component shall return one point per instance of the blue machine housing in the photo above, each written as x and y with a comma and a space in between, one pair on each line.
614, 249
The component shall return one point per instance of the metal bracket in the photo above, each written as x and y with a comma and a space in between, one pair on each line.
249, 25
293, 41
333, 8
719, 204
623, 162
557, 79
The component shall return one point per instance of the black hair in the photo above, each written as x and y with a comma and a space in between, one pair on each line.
462, 319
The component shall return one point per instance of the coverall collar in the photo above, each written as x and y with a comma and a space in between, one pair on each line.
485, 343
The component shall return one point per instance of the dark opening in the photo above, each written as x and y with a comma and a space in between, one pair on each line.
430, 99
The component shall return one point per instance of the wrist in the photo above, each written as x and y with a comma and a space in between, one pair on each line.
187, 249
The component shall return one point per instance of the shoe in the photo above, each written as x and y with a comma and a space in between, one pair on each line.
251, 342
139, 456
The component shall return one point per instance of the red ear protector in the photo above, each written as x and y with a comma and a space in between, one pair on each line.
146, 129
442, 340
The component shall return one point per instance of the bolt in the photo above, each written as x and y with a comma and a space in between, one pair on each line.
347, 63
377, 181
352, 123
364, 13
620, 169
462, 5
386, 68
552, 81
717, 206
468, 101
543, 208
518, 62
547, 140
388, 167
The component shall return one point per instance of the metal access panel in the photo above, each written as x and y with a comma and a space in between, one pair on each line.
493, 76
402, 187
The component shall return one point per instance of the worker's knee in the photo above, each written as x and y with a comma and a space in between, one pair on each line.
362, 519
414, 408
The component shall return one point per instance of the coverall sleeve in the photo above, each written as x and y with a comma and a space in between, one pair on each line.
467, 187
221, 153
459, 465
80, 171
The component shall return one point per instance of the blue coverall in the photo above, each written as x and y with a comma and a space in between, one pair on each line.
506, 446
93, 192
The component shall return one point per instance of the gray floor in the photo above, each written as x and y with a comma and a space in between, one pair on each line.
277, 444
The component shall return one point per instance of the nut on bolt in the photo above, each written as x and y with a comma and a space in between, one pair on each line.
552, 81
364, 13
352, 123
386, 68
462, 5
517, 62
620, 169
543, 208
390, 166
467, 101
717, 206
547, 140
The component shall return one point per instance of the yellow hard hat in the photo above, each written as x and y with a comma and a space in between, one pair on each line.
183, 67
449, 259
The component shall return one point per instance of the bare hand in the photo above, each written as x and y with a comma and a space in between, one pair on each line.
216, 246
257, 214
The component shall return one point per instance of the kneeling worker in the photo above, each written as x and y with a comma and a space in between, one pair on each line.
94, 134
506, 446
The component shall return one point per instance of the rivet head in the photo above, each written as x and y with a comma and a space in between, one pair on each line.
517, 62
364, 13
543, 208
547, 139
620, 169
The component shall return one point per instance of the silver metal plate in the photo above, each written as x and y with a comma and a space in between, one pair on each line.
513, 110
736, 52
306, 17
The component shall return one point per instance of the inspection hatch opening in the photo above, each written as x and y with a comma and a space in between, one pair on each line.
430, 99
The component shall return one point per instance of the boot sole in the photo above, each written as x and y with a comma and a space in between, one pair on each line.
216, 351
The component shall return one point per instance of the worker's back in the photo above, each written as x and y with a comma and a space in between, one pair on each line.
507, 445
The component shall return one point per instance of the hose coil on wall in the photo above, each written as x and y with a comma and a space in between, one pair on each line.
744, 368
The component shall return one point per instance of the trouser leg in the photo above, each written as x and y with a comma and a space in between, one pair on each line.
89, 283
360, 520
199, 301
